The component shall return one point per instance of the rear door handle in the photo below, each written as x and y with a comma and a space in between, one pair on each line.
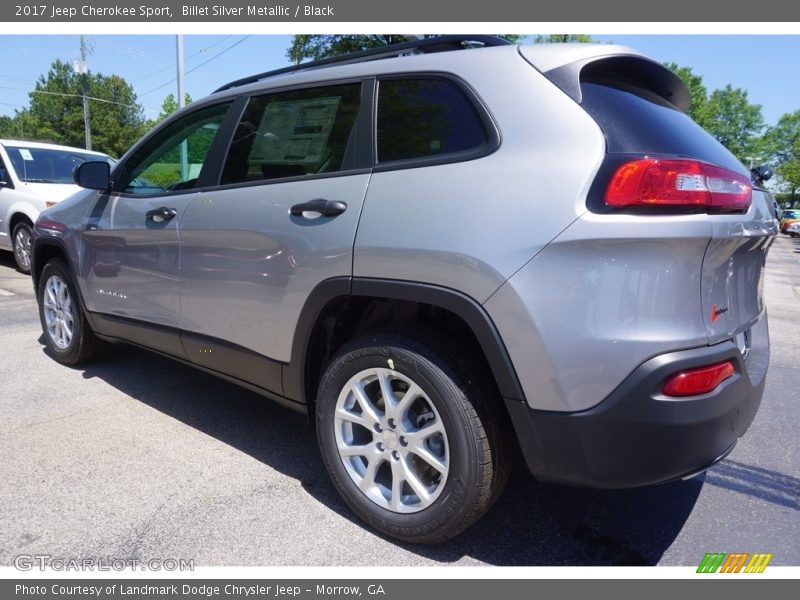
161, 214
314, 209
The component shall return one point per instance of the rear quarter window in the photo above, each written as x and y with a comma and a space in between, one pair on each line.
421, 118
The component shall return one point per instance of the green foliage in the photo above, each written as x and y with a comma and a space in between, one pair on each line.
727, 114
316, 47
564, 38
696, 88
55, 112
780, 146
170, 105
735, 122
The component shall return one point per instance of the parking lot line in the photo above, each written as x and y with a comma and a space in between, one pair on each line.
6, 293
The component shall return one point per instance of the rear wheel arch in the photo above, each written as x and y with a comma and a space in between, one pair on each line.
340, 309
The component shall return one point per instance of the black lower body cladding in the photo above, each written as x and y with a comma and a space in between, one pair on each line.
637, 436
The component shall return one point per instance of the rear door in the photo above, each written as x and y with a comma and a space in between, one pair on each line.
282, 219
131, 264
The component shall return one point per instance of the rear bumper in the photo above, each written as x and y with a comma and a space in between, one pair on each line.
637, 436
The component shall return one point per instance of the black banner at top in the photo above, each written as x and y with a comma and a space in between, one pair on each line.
419, 11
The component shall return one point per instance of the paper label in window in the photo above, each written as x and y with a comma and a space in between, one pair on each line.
294, 132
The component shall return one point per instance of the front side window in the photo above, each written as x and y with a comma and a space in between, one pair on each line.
173, 158
424, 118
294, 133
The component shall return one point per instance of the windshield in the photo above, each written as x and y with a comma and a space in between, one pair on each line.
791, 214
49, 165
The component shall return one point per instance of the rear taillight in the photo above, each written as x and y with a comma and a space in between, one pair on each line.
678, 183
694, 382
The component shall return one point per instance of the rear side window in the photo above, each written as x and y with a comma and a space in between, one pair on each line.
638, 122
425, 117
295, 133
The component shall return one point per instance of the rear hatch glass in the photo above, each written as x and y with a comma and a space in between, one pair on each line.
637, 122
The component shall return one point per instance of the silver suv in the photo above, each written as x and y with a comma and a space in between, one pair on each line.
441, 254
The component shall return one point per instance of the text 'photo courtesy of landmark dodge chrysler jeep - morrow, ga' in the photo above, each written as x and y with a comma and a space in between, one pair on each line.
444, 254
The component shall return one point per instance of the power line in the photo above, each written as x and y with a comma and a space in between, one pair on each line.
202, 64
17, 79
81, 96
6, 87
198, 53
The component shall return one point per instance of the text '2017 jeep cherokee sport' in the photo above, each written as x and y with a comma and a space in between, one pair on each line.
436, 253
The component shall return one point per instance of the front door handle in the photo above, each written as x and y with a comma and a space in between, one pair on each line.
314, 209
161, 214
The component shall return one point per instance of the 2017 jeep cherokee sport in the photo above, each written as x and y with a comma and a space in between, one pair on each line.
436, 253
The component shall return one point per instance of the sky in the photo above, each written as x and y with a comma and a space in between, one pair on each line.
764, 65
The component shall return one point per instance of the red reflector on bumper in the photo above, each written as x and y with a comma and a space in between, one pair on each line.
694, 382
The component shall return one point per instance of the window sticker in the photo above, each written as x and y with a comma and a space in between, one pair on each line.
294, 132
26, 154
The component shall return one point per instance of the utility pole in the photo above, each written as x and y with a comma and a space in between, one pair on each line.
181, 104
82, 68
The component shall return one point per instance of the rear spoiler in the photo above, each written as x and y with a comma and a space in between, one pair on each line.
576, 63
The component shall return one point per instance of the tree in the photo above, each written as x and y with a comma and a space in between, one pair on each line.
735, 122
9, 127
782, 144
696, 88
170, 105
56, 110
727, 114
317, 47
564, 38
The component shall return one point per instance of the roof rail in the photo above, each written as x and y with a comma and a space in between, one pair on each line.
441, 43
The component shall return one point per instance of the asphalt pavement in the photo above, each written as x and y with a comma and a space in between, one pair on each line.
137, 456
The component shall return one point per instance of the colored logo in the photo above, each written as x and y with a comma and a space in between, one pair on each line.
734, 562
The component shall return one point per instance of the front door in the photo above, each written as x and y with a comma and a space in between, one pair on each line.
132, 260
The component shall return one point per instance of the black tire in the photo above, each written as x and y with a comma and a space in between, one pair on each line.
22, 254
84, 345
479, 450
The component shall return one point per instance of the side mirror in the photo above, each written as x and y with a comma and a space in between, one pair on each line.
762, 173
94, 175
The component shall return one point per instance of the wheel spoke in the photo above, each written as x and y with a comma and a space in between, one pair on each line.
416, 485
364, 402
386, 391
397, 486
425, 454
407, 400
67, 331
361, 450
368, 480
51, 294
418, 436
352, 417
